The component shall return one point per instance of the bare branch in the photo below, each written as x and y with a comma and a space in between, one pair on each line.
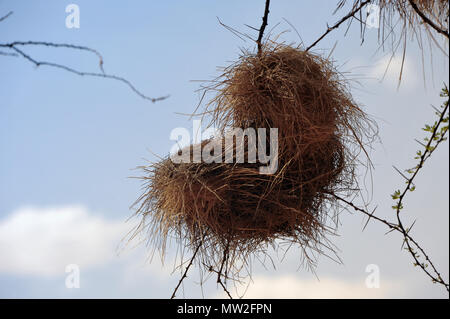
390, 225
56, 45
187, 269
348, 16
14, 45
6, 16
263, 25
438, 135
407, 238
427, 20
219, 273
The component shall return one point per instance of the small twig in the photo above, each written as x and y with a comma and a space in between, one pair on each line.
224, 287
329, 29
187, 269
398, 226
211, 269
219, 273
369, 215
438, 135
6, 16
263, 26
427, 20
237, 33
395, 227
56, 45
14, 45
429, 149
249, 26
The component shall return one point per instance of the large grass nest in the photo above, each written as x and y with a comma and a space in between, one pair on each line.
228, 211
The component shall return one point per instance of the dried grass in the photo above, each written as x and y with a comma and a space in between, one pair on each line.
436, 10
231, 209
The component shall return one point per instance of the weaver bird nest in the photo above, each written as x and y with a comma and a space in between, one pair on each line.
226, 211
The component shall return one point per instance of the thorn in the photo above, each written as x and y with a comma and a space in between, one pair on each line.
401, 174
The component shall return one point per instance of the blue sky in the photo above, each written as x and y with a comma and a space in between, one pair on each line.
68, 146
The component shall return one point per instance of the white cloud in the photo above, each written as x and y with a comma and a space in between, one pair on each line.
290, 286
42, 241
388, 70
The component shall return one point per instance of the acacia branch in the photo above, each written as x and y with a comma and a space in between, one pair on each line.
438, 135
56, 45
219, 273
187, 269
391, 226
14, 46
427, 20
263, 26
407, 238
345, 18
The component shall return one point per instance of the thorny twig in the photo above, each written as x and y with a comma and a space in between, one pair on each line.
345, 18
395, 227
219, 273
187, 269
438, 135
429, 149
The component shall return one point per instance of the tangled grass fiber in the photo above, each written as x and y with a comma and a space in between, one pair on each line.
229, 211
436, 10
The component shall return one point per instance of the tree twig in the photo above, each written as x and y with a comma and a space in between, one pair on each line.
14, 46
219, 273
427, 20
395, 227
263, 26
438, 135
390, 225
345, 18
55, 45
428, 150
6, 16
187, 269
